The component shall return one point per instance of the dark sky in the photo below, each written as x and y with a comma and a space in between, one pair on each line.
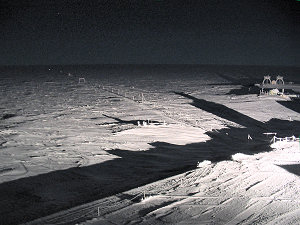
253, 32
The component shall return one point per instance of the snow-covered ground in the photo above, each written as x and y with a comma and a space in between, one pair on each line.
64, 145
250, 189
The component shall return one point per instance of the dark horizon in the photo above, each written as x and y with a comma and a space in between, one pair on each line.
150, 32
148, 64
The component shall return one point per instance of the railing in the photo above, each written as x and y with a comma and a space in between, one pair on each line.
285, 139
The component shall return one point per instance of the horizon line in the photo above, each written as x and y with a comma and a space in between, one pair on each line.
146, 64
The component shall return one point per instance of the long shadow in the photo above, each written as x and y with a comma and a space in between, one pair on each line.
281, 127
294, 168
34, 197
293, 105
223, 111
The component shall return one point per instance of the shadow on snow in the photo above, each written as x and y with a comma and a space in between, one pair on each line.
34, 197
293, 105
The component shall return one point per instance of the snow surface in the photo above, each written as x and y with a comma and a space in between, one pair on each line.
252, 189
74, 153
